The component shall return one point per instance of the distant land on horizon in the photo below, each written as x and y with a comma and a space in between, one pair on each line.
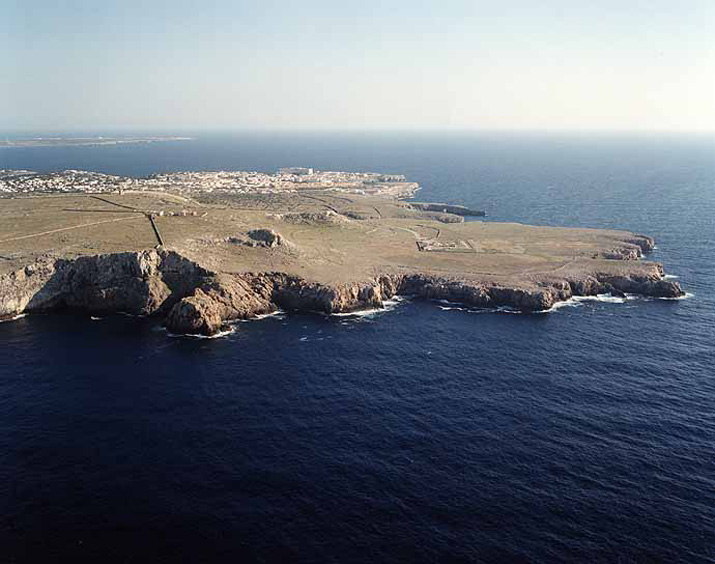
53, 141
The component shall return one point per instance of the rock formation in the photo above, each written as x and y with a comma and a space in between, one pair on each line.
198, 301
266, 237
138, 283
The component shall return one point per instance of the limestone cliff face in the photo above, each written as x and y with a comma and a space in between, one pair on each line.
32, 283
217, 300
633, 249
241, 297
138, 283
478, 295
231, 297
196, 300
296, 294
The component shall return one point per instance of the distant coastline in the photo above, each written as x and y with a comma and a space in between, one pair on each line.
84, 141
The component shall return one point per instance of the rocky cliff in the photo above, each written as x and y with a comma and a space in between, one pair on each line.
138, 283
195, 300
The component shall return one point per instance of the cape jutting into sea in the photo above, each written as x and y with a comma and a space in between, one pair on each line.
425, 433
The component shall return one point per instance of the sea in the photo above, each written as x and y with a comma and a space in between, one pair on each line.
425, 432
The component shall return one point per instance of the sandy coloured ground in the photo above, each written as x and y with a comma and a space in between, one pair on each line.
328, 238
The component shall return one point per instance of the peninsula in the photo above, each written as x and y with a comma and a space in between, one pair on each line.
203, 249
82, 141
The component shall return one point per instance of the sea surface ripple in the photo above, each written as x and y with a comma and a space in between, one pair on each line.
419, 434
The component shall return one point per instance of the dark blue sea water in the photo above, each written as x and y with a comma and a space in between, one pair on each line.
417, 435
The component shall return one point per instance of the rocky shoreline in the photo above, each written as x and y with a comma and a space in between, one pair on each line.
194, 300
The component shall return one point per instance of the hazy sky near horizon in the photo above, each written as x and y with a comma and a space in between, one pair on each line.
319, 64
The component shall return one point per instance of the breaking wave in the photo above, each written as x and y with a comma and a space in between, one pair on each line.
387, 305
219, 335
13, 318
686, 296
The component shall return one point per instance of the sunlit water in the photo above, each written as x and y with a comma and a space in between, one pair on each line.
429, 432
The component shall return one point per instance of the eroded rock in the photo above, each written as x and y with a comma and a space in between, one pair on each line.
196, 300
266, 237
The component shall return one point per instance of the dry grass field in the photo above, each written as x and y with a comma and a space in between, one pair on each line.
326, 238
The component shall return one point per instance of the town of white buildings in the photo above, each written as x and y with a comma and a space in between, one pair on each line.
237, 182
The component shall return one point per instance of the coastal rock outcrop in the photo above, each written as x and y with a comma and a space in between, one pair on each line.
231, 297
196, 300
220, 299
242, 297
634, 249
35, 282
138, 283
644, 286
477, 294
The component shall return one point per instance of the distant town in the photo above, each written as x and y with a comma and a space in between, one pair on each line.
294, 179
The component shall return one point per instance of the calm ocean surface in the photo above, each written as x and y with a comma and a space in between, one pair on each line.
421, 434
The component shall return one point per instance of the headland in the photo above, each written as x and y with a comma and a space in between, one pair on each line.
61, 141
203, 249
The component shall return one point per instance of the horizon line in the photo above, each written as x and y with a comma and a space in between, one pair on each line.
146, 130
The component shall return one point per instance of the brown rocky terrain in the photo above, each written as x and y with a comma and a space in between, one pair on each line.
235, 259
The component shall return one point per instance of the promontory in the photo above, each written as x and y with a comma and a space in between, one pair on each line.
202, 249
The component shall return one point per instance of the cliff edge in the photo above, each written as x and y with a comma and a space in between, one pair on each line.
202, 264
195, 300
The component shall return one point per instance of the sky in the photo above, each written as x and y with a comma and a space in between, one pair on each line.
625, 65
